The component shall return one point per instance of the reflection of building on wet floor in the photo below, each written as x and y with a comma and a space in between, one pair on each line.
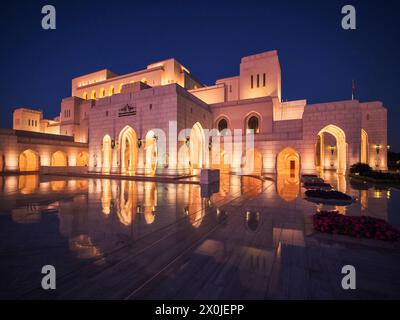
247, 240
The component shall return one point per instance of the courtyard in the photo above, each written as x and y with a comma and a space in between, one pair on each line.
246, 238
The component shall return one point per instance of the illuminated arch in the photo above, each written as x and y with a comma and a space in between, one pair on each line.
120, 87
129, 150
102, 93
150, 153
197, 147
111, 91
93, 95
288, 160
143, 80
364, 156
288, 166
341, 144
84, 95
82, 159
29, 161
253, 121
107, 154
59, 159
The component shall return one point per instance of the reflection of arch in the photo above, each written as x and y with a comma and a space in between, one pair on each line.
82, 159
59, 159
129, 150
288, 185
150, 202
107, 154
150, 153
341, 144
252, 162
127, 201
288, 160
27, 184
197, 147
253, 221
58, 185
364, 147
29, 161
106, 196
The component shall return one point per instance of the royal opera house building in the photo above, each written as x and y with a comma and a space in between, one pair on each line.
162, 121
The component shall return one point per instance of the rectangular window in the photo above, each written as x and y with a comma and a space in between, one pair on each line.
264, 80
29, 122
252, 82
230, 88
258, 80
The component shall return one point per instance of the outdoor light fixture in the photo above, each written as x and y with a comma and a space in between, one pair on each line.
187, 142
112, 144
378, 147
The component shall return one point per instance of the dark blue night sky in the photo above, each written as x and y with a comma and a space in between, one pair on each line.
318, 58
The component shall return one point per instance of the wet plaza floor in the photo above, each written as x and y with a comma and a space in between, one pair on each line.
245, 238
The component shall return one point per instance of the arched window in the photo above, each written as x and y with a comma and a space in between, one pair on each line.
120, 87
253, 124
93, 94
102, 92
222, 124
111, 91
84, 95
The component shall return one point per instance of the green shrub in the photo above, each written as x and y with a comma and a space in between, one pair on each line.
362, 169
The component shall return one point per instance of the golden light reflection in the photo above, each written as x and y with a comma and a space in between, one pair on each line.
28, 184
127, 201
58, 185
288, 185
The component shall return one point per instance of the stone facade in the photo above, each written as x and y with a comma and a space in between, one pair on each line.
156, 121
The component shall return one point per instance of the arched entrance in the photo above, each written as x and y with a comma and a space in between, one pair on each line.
288, 161
252, 162
59, 159
197, 148
364, 147
151, 153
82, 159
332, 154
288, 169
107, 154
28, 161
129, 150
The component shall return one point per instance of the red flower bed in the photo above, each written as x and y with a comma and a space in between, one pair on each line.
355, 226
